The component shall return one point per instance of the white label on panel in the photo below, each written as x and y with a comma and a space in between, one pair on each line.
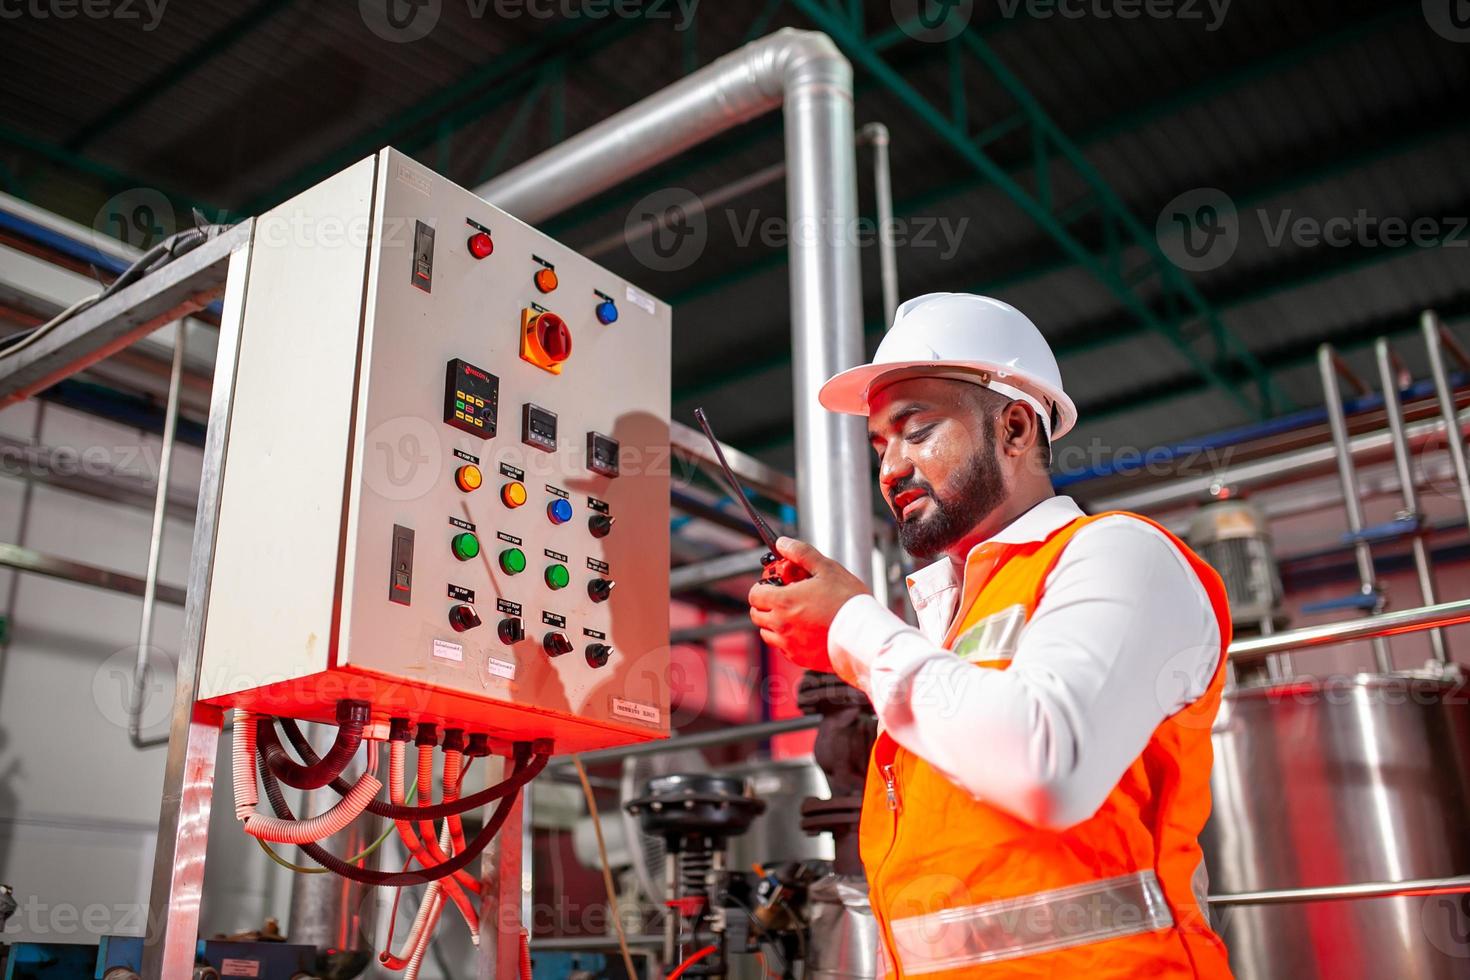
635, 710
642, 300
445, 650
416, 179
500, 668
239, 968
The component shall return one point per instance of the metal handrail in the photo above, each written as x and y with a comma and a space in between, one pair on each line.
1418, 887
1383, 624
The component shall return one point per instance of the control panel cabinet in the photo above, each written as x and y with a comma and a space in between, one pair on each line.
445, 487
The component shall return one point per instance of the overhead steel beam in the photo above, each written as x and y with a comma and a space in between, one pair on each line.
500, 71
186, 285
1216, 86
221, 40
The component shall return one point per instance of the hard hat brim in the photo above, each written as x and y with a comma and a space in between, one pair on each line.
848, 391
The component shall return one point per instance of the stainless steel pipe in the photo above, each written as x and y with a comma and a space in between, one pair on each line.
803, 72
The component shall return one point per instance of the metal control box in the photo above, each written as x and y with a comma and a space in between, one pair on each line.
445, 486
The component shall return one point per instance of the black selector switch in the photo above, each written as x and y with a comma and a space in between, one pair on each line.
463, 617
599, 525
555, 644
511, 630
597, 654
599, 589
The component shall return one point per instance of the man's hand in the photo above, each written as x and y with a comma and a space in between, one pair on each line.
795, 618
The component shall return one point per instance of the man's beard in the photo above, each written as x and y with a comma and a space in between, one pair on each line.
981, 491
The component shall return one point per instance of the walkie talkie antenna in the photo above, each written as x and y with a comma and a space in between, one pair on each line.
762, 528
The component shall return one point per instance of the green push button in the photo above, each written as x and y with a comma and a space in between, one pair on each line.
557, 576
465, 546
512, 561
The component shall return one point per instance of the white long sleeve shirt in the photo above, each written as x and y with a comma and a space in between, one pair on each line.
1123, 637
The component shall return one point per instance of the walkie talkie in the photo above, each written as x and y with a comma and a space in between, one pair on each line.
775, 570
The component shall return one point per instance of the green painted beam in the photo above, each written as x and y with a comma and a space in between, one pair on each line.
110, 177
497, 71
212, 46
1133, 119
1336, 162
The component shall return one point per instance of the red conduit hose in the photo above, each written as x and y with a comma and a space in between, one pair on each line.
415, 845
691, 961
432, 897
310, 830
525, 955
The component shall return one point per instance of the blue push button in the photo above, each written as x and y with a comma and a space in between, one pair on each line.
607, 312
559, 510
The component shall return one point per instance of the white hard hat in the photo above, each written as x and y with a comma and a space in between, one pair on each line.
968, 338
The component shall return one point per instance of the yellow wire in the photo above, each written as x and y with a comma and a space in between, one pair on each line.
607, 881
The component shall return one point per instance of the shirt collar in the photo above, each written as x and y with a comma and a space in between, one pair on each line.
1035, 525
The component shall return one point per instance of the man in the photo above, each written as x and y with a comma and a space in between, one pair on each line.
1041, 773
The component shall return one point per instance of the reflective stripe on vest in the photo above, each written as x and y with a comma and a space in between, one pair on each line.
1042, 922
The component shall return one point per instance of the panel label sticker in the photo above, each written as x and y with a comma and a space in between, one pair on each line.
557, 555
445, 650
508, 607
507, 538
598, 505
595, 634
239, 968
636, 711
597, 566
462, 525
558, 491
508, 470
461, 594
641, 300
500, 668
419, 181
552, 619
467, 457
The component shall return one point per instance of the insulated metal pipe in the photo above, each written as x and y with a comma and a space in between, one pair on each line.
877, 134
803, 72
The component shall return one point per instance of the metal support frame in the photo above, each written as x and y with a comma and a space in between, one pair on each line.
142, 665
1330, 366
1389, 384
1436, 339
188, 779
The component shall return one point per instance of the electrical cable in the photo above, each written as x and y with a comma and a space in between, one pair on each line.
380, 808
524, 772
361, 855
607, 881
695, 958
169, 249
352, 719
323, 825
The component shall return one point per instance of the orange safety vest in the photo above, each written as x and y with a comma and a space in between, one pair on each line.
961, 888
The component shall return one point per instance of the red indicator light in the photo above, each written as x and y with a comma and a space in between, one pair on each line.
480, 245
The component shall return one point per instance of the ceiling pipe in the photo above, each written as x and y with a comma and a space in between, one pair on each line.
805, 74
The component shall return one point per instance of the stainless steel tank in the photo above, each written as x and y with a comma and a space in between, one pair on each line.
1354, 779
